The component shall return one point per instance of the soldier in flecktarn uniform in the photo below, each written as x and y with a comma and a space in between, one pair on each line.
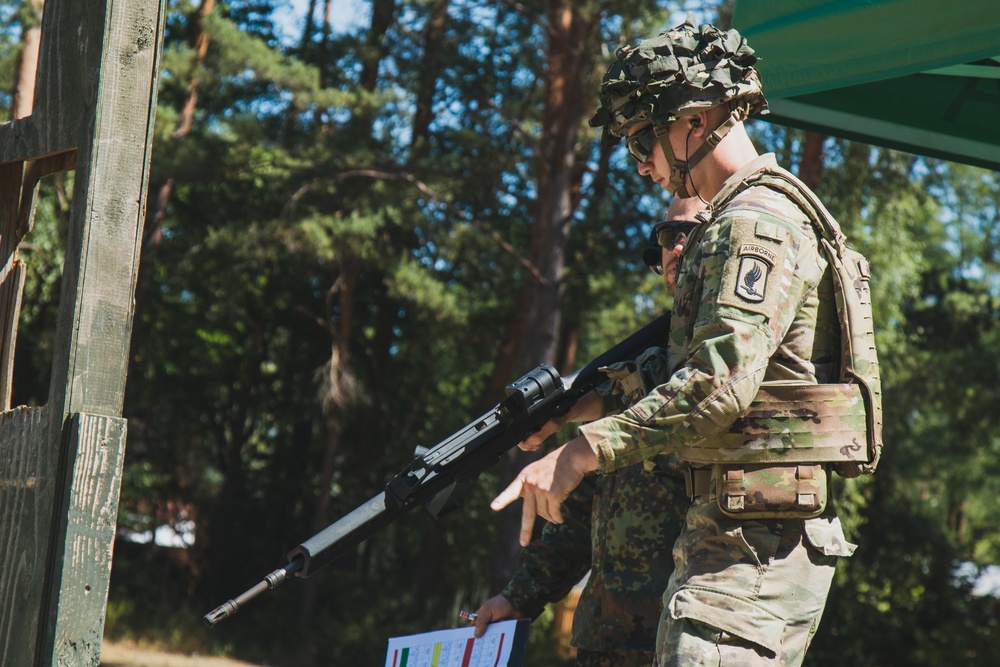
621, 527
771, 381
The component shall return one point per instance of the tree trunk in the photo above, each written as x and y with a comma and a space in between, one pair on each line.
428, 76
325, 39
373, 51
571, 343
310, 26
27, 61
569, 32
507, 354
343, 293
383, 16
811, 163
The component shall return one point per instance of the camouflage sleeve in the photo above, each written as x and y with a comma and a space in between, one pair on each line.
552, 564
752, 271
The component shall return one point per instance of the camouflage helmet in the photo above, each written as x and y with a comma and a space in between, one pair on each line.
678, 73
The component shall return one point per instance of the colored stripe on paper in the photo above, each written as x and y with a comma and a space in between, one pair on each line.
499, 649
468, 652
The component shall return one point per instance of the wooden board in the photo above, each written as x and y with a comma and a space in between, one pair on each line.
85, 534
23, 548
60, 466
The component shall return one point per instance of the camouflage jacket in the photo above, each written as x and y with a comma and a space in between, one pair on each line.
754, 303
621, 527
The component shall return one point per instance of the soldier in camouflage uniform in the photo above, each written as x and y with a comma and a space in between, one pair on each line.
773, 379
620, 526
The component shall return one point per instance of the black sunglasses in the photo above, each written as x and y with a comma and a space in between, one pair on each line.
666, 234
640, 144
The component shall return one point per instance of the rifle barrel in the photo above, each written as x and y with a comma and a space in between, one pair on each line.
230, 607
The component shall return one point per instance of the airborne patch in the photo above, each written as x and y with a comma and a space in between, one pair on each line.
755, 262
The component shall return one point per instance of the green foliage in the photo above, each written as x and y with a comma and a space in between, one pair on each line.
43, 253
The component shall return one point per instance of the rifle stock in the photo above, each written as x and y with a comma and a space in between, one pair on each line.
439, 476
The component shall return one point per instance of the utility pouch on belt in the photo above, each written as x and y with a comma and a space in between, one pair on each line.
768, 491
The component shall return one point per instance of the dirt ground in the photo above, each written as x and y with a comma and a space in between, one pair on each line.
127, 655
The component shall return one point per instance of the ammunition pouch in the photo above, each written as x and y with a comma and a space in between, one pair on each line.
771, 491
763, 491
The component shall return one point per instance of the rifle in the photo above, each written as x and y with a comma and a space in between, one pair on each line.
439, 477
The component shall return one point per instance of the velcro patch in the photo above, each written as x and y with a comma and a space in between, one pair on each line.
751, 274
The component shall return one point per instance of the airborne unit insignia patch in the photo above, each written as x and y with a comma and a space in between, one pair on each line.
757, 250
755, 266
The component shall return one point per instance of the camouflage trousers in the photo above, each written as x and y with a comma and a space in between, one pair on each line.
614, 658
746, 593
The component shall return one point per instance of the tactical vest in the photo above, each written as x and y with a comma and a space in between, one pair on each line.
772, 461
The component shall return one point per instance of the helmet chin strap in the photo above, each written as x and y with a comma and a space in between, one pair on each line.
680, 169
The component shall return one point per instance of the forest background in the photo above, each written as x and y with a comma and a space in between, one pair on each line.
359, 231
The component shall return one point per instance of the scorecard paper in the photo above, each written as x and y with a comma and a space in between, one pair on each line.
501, 646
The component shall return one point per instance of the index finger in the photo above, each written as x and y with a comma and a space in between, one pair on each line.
508, 495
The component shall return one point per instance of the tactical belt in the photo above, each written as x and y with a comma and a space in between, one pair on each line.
697, 482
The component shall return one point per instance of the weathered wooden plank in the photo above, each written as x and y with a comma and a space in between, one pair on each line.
11, 291
85, 531
10, 197
67, 80
109, 195
24, 540
11, 273
24, 139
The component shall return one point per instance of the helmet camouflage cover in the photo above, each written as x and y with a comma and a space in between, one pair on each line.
680, 72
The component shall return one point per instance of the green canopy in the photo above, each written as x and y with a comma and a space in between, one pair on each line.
917, 75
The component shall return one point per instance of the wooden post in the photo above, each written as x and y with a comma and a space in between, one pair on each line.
60, 464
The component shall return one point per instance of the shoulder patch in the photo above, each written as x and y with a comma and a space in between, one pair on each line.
751, 273
751, 281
